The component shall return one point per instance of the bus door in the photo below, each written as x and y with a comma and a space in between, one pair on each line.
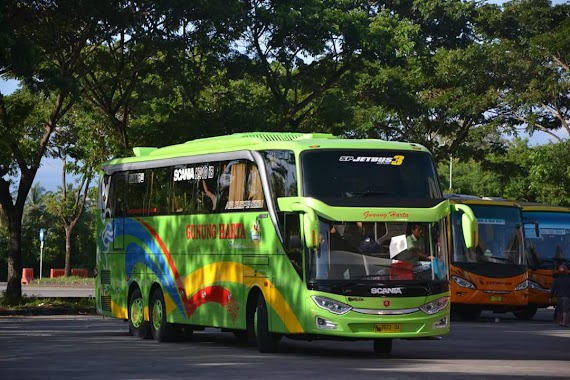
119, 194
259, 233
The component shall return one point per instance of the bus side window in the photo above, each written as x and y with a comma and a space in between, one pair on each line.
136, 194
158, 193
232, 185
207, 195
183, 197
254, 189
119, 195
293, 243
106, 196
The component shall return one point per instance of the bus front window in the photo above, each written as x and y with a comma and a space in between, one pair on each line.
552, 247
363, 177
379, 251
500, 237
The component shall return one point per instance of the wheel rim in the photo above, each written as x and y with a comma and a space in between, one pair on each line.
157, 311
137, 314
255, 323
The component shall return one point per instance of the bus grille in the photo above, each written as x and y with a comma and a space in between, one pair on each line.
106, 303
105, 277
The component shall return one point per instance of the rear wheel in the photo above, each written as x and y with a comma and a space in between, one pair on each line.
266, 340
526, 313
383, 346
161, 330
137, 325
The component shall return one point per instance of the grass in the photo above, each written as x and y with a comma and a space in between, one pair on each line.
47, 306
64, 281
50, 306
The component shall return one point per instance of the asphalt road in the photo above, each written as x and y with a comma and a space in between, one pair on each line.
53, 291
91, 347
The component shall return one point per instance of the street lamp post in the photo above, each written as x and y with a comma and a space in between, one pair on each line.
41, 250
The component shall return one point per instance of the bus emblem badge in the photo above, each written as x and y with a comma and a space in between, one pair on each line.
386, 303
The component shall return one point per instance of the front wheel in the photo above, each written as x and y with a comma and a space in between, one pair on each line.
466, 313
526, 313
137, 325
161, 330
383, 346
266, 340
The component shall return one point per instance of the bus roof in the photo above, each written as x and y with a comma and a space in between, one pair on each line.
533, 206
261, 141
475, 200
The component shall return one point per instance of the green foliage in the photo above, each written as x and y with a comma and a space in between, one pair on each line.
35, 306
62, 281
100, 77
534, 174
550, 173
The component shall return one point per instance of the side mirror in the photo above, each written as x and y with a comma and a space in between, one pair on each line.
310, 224
469, 225
531, 229
311, 229
310, 221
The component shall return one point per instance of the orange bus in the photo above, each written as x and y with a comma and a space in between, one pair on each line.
545, 251
493, 275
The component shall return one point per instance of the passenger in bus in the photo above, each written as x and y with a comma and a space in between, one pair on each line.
357, 237
561, 289
213, 198
416, 250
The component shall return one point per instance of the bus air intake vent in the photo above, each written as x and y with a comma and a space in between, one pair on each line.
105, 277
269, 136
106, 303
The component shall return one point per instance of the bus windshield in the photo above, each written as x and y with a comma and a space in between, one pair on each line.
340, 176
552, 247
379, 251
500, 236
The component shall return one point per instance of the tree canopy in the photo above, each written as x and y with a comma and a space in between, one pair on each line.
460, 77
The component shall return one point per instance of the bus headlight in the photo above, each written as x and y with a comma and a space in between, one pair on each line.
463, 282
522, 286
534, 285
435, 306
333, 306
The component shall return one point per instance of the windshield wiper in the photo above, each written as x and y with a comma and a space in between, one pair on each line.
371, 192
499, 258
374, 276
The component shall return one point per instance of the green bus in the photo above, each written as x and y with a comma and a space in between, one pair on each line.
271, 235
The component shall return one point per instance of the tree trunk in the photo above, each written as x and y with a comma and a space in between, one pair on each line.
68, 248
14, 286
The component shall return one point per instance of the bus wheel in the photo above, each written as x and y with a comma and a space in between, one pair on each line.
383, 346
266, 340
137, 325
161, 330
241, 335
470, 314
526, 313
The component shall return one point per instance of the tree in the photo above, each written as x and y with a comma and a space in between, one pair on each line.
59, 35
531, 38
78, 144
162, 54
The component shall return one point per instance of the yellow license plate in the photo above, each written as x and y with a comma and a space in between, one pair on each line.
496, 299
387, 327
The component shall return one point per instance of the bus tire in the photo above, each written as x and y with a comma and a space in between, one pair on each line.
161, 330
266, 341
137, 325
526, 313
383, 346
466, 313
